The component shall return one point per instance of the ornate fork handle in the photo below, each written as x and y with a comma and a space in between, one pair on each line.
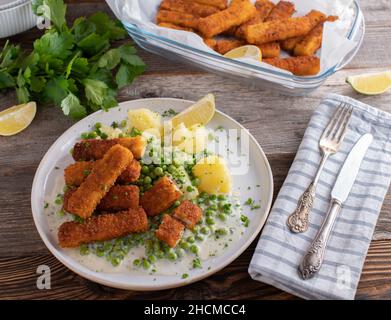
313, 259
298, 220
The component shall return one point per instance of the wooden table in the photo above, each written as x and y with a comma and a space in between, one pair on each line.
277, 122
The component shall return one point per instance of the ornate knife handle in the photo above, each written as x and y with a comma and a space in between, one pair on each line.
313, 259
298, 221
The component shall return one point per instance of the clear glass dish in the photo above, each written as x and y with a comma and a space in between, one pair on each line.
245, 72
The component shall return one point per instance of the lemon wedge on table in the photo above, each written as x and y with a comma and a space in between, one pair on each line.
199, 113
17, 118
371, 83
248, 51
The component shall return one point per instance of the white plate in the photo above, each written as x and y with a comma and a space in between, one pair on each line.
47, 177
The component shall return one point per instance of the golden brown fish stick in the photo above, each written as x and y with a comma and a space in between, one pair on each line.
182, 19
221, 4
282, 10
160, 197
270, 50
277, 30
120, 198
188, 213
193, 8
264, 7
170, 230
76, 173
315, 18
85, 199
94, 149
224, 45
309, 44
237, 13
174, 26
210, 42
103, 227
300, 66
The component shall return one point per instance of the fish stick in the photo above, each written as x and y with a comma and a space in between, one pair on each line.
277, 30
282, 10
103, 227
120, 198
264, 7
188, 213
210, 42
94, 149
237, 13
224, 45
315, 17
194, 8
174, 26
85, 199
182, 19
221, 4
170, 231
270, 50
300, 66
309, 44
76, 173
160, 197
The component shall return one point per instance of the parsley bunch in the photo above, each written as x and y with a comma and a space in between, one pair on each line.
72, 67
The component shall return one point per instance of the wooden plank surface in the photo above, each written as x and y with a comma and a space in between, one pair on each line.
277, 122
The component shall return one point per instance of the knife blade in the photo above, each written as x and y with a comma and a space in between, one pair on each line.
313, 259
347, 174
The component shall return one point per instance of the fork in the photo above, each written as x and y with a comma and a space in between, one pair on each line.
329, 144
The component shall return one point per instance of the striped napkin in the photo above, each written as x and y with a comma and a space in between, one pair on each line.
279, 251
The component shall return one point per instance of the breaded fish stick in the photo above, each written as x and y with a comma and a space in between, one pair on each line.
300, 66
188, 213
120, 198
85, 199
183, 19
103, 227
264, 7
194, 8
94, 149
221, 4
160, 197
224, 45
237, 13
170, 231
315, 17
270, 50
210, 42
282, 10
174, 26
277, 30
309, 44
76, 173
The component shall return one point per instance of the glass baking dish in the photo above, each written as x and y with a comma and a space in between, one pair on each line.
245, 72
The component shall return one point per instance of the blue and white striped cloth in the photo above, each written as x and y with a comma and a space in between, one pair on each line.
279, 251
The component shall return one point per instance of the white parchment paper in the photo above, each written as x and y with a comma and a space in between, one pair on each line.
335, 44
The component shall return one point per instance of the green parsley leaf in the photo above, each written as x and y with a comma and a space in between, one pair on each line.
110, 59
95, 90
56, 90
105, 25
53, 44
71, 106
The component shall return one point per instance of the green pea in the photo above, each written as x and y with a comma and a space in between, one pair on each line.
180, 252
221, 197
222, 217
190, 239
190, 188
104, 136
213, 207
171, 168
204, 195
164, 167
177, 203
136, 262
209, 213
221, 232
146, 264
145, 169
100, 252
185, 245
107, 246
199, 237
194, 249
196, 229
84, 250
204, 230
92, 135
98, 125
123, 123
212, 197
115, 262
152, 175
209, 220
147, 180
84, 135
195, 182
172, 256
177, 163
158, 171
152, 258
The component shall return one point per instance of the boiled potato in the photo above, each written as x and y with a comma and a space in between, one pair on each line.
190, 140
145, 120
213, 173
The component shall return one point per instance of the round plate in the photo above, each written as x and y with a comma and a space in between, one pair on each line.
257, 183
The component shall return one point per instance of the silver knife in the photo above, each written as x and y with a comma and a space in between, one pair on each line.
313, 259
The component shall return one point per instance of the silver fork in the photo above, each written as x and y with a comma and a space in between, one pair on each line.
329, 144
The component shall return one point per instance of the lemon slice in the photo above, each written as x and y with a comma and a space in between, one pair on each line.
248, 51
17, 118
201, 112
371, 83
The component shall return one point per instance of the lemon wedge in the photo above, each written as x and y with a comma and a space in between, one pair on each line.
371, 83
17, 118
199, 113
248, 51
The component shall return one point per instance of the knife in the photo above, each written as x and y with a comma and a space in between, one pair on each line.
313, 259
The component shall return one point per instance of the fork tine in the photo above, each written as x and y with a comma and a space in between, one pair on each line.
345, 123
333, 121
